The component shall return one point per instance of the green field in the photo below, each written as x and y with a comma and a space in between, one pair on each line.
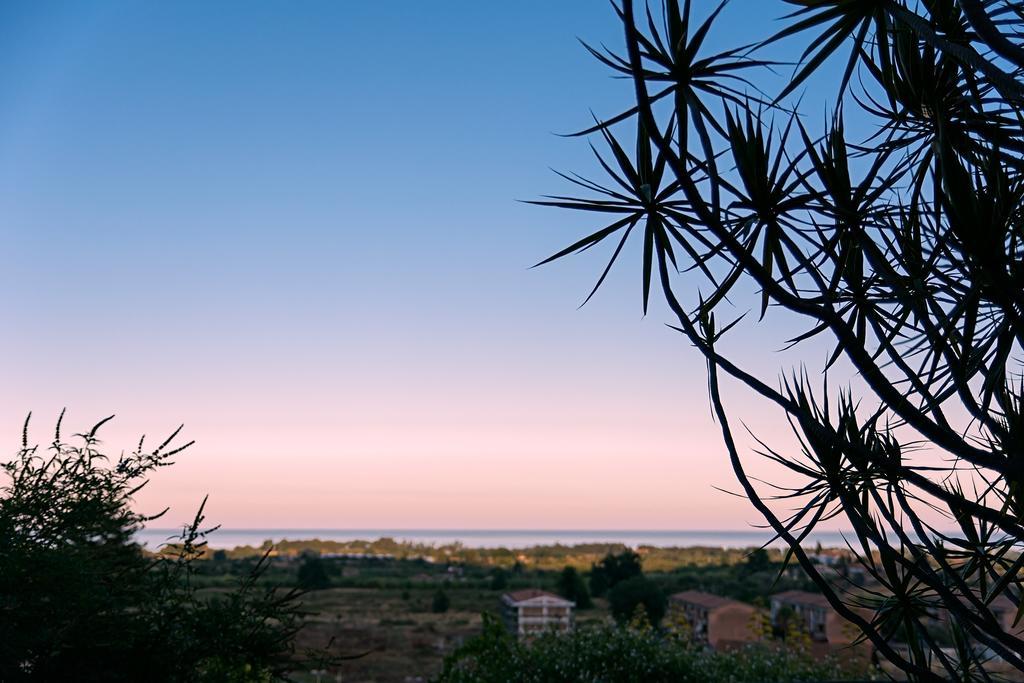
404, 638
382, 606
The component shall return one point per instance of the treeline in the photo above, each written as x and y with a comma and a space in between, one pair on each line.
547, 557
622, 578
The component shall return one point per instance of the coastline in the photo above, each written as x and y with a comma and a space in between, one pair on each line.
228, 539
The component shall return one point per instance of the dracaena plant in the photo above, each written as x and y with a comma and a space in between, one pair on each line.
901, 250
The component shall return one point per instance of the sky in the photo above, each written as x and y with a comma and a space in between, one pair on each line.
295, 228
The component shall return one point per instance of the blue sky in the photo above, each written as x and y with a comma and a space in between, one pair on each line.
295, 228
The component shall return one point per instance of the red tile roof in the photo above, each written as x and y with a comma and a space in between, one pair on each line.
530, 594
802, 598
708, 601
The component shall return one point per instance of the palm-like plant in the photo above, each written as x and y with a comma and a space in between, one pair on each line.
904, 251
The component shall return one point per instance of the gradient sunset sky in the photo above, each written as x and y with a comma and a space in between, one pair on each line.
293, 227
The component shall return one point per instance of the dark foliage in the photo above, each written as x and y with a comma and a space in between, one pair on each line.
499, 579
440, 602
758, 561
80, 601
312, 574
571, 586
627, 596
901, 252
612, 569
617, 654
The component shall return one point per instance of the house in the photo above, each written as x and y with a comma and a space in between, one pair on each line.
833, 557
1005, 611
531, 612
717, 621
821, 622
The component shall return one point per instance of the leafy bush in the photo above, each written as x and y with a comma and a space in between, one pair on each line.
440, 603
613, 569
81, 601
572, 587
638, 592
499, 579
312, 574
615, 654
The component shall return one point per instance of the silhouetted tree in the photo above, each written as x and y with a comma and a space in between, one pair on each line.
571, 586
440, 602
499, 579
613, 569
758, 561
312, 574
81, 601
598, 582
900, 251
626, 595
786, 622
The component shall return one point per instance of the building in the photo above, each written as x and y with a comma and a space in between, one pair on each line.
1005, 611
531, 612
717, 621
821, 622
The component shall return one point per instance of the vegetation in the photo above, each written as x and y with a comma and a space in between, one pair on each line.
514, 561
440, 603
80, 601
384, 604
571, 586
612, 569
895, 256
85, 602
758, 560
723, 572
312, 575
620, 654
627, 597
499, 579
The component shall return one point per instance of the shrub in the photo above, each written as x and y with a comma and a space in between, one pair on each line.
499, 579
614, 654
637, 592
613, 569
81, 601
572, 587
312, 574
440, 602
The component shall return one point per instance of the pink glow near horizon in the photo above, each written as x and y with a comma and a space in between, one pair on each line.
345, 321
560, 458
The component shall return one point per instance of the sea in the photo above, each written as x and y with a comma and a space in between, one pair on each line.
503, 538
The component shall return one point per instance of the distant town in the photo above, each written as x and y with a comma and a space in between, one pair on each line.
411, 606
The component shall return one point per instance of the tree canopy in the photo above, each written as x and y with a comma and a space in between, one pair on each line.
81, 600
613, 568
571, 586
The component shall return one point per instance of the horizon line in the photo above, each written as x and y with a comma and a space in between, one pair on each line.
493, 529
